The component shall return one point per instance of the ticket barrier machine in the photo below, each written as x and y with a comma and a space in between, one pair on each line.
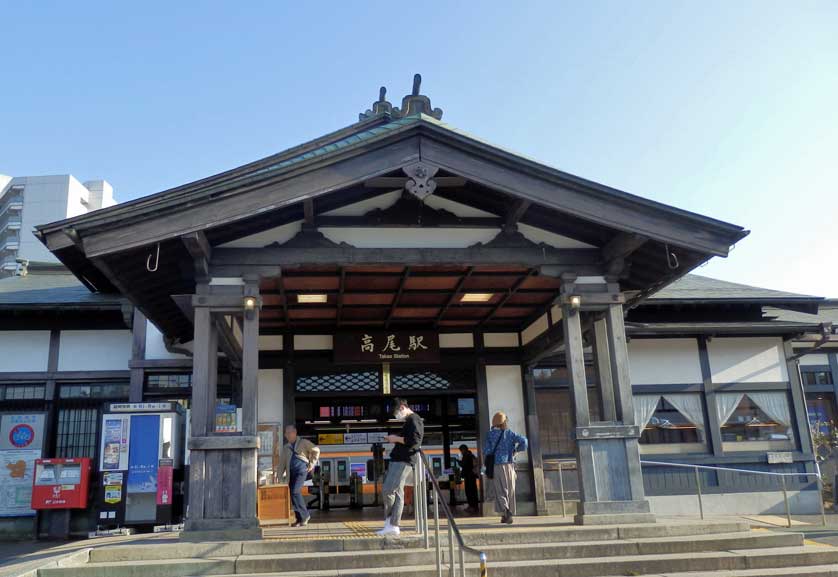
141, 465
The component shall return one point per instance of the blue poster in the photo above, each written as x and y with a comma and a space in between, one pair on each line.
143, 453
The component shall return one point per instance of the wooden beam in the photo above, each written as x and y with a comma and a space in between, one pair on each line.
584, 262
227, 340
366, 221
509, 294
280, 281
396, 182
517, 212
340, 293
199, 249
396, 298
308, 212
453, 296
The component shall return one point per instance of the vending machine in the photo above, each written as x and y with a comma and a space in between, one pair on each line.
141, 464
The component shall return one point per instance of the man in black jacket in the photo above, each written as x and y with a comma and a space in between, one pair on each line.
402, 458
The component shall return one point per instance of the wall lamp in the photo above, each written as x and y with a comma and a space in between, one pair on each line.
249, 303
575, 303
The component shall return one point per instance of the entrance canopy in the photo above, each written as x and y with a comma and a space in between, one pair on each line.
396, 219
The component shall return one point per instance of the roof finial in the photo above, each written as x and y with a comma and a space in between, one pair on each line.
416, 103
380, 106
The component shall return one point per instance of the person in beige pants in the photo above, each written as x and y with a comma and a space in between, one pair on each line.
503, 443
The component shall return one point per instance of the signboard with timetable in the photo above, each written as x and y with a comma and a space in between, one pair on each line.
373, 347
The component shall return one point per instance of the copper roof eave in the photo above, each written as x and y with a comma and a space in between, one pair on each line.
204, 191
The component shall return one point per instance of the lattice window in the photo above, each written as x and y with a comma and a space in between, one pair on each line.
94, 391
76, 435
22, 392
433, 380
170, 381
363, 381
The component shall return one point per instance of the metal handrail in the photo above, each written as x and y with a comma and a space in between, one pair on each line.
782, 476
421, 507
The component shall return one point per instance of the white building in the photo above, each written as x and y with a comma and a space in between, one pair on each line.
26, 201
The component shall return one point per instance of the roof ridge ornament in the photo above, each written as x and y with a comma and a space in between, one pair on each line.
412, 104
380, 106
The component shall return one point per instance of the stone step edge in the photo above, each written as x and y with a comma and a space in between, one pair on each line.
805, 550
754, 536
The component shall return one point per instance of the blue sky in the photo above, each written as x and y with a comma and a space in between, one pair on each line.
724, 108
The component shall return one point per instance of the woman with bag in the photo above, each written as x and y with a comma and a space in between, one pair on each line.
499, 450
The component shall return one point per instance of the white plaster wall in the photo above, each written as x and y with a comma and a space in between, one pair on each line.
506, 393
815, 359
440, 203
270, 342
539, 235
155, 348
538, 326
747, 360
456, 341
279, 234
500, 340
269, 401
313, 342
94, 350
382, 201
664, 361
24, 351
409, 237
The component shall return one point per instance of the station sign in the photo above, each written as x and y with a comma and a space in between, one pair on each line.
375, 347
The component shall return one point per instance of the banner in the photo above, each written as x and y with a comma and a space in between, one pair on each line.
142, 457
165, 472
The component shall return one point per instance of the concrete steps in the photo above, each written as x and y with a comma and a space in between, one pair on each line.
533, 551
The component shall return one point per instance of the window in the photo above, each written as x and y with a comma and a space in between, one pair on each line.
755, 421
22, 392
816, 377
94, 391
672, 423
821, 409
175, 381
555, 419
76, 435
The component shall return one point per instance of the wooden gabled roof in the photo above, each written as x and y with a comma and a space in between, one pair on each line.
109, 249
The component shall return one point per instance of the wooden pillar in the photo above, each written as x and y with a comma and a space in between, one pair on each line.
608, 454
138, 332
714, 426
483, 416
603, 364
222, 476
250, 407
534, 438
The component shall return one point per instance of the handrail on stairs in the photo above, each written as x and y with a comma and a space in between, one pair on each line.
423, 472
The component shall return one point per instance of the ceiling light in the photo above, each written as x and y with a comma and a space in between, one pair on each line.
312, 299
476, 298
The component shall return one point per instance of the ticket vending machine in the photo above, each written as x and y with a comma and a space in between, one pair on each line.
141, 465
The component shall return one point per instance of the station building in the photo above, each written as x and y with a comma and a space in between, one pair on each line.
400, 255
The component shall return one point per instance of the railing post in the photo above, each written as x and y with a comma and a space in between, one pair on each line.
698, 489
437, 544
462, 563
450, 549
483, 571
786, 499
425, 512
561, 487
820, 491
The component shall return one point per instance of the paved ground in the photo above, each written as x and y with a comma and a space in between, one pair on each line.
18, 557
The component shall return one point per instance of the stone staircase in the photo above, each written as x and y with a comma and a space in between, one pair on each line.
693, 549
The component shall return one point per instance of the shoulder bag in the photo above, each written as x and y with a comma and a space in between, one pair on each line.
489, 460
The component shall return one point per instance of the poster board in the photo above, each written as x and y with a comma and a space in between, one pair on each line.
21, 443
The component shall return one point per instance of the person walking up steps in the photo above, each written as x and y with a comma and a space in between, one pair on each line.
499, 450
404, 455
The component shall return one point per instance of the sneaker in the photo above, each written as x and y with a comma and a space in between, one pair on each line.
305, 521
389, 530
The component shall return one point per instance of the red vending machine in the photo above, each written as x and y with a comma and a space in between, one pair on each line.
60, 483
